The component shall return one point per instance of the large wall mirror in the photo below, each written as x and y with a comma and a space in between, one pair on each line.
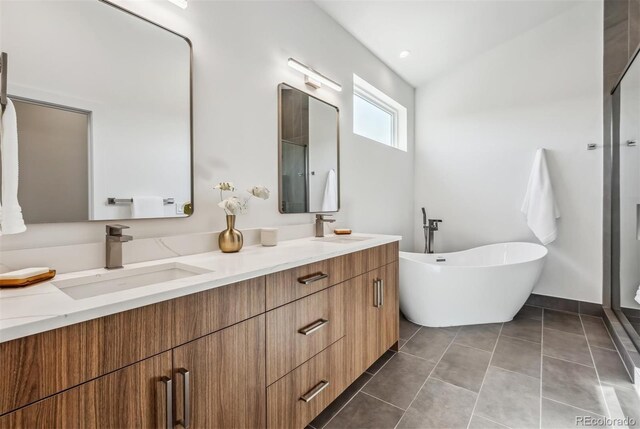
309, 153
103, 106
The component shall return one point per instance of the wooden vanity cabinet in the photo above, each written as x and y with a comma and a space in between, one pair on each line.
222, 378
269, 352
132, 397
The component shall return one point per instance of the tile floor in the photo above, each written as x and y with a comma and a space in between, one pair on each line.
541, 370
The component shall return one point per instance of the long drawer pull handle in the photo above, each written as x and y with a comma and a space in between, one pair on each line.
315, 391
169, 400
308, 330
314, 278
186, 395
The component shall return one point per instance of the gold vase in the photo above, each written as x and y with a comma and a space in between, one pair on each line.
230, 240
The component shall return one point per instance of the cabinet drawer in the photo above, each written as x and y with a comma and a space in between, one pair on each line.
289, 285
205, 312
133, 397
286, 286
40, 365
296, 399
301, 329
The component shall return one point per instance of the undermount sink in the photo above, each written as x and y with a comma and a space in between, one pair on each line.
125, 279
343, 239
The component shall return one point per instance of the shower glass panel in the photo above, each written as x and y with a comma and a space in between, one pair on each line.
626, 201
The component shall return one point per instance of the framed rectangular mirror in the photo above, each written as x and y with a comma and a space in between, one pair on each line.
104, 112
309, 153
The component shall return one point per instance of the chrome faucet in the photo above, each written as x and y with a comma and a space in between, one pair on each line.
320, 221
429, 226
114, 242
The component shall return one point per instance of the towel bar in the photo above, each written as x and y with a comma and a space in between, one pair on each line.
113, 201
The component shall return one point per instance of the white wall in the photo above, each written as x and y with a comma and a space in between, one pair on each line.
479, 127
240, 56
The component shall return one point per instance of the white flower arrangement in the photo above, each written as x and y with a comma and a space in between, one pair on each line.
234, 205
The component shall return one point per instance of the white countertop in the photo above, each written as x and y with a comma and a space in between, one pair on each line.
42, 307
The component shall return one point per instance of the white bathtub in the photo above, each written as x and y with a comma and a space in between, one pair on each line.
482, 285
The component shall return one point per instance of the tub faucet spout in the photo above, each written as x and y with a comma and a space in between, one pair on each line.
429, 226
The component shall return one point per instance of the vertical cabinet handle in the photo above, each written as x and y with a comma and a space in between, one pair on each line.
376, 299
186, 398
381, 292
168, 388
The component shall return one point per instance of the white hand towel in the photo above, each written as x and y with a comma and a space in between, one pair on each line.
144, 207
330, 200
539, 204
11, 221
638, 295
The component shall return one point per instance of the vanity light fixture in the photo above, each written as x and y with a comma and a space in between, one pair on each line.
313, 78
180, 3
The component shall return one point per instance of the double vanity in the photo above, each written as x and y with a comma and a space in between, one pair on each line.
267, 337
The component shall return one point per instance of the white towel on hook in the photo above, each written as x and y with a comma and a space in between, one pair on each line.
145, 207
539, 204
330, 200
11, 221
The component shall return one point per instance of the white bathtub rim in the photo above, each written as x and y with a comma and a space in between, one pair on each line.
444, 254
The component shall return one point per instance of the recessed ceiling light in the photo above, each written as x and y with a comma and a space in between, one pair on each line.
405, 54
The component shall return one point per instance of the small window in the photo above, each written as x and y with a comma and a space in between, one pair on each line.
377, 116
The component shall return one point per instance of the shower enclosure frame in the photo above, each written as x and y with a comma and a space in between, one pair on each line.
612, 239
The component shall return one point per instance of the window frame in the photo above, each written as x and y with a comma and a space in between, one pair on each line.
372, 95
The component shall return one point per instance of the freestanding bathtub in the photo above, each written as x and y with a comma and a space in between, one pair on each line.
486, 284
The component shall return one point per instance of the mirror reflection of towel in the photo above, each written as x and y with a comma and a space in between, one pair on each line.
11, 221
330, 200
144, 207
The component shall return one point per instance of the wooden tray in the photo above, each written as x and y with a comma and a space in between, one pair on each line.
28, 281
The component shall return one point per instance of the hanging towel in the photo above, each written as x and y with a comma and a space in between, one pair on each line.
144, 207
11, 221
330, 200
638, 295
539, 204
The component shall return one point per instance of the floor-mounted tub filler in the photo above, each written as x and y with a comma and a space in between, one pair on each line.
487, 284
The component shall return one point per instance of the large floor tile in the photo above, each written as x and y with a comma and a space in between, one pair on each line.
400, 380
527, 329
366, 412
430, 343
373, 369
629, 402
597, 333
517, 355
564, 345
407, 329
559, 416
529, 312
478, 422
440, 405
479, 336
610, 367
572, 384
567, 322
321, 421
510, 399
463, 366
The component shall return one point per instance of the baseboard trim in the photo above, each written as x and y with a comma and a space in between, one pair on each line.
564, 304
